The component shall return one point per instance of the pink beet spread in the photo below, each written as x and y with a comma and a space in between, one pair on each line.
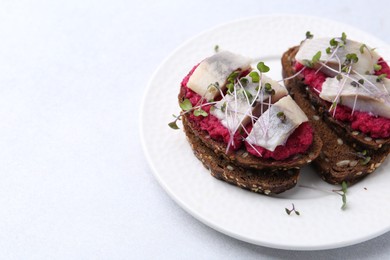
375, 126
299, 141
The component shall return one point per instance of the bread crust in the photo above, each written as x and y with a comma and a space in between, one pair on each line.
266, 182
340, 159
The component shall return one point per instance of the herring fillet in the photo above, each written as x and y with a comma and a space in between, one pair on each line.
310, 47
235, 109
216, 68
269, 131
373, 97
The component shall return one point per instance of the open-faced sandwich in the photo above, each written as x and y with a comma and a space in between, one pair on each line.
343, 87
244, 126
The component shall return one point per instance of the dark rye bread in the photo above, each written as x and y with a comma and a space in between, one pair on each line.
260, 181
343, 129
339, 159
243, 158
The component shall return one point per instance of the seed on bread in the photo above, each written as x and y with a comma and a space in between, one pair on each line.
353, 163
343, 163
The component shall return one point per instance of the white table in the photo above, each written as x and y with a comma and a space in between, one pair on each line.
74, 183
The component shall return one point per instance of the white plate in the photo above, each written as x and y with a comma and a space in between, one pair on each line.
238, 213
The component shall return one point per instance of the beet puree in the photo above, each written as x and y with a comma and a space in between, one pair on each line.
299, 141
375, 126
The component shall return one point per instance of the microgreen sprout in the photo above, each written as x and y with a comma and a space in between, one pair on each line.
344, 38
333, 42
281, 116
361, 49
268, 89
223, 107
377, 67
309, 35
173, 125
334, 105
381, 77
343, 193
200, 112
262, 67
244, 82
216, 48
231, 80
364, 157
255, 76
186, 105
289, 211
350, 58
316, 57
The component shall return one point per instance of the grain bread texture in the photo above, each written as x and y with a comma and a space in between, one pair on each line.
266, 182
345, 156
244, 159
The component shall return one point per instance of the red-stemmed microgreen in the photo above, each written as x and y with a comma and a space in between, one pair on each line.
381, 77
309, 35
254, 76
343, 193
187, 107
293, 209
262, 67
377, 67
281, 116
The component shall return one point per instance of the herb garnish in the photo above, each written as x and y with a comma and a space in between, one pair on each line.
262, 67
381, 77
187, 107
316, 57
309, 35
281, 116
268, 89
255, 76
289, 211
343, 193
377, 67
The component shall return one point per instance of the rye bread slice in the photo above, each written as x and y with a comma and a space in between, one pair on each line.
243, 158
340, 160
342, 128
260, 181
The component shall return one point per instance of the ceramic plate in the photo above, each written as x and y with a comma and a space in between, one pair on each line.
238, 213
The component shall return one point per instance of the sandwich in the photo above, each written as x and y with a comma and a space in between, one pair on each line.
243, 126
343, 86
